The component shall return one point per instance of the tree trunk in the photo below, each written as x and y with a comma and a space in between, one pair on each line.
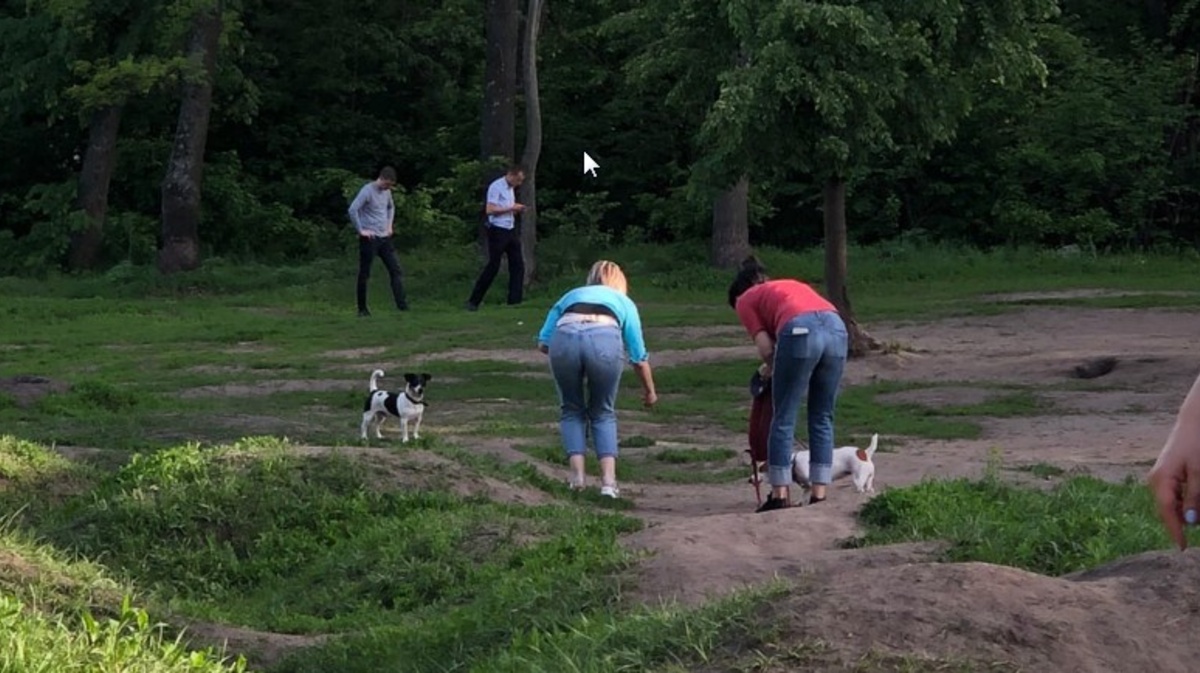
181, 187
498, 129
731, 226
835, 265
533, 137
99, 162
1156, 14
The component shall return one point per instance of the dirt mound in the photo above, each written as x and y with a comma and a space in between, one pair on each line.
25, 390
897, 603
1111, 619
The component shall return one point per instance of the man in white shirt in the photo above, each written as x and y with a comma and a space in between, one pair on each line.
373, 213
503, 238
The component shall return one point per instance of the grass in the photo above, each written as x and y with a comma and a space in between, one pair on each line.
380, 548
673, 466
1080, 523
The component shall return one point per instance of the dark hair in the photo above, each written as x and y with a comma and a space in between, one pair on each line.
387, 173
751, 273
513, 169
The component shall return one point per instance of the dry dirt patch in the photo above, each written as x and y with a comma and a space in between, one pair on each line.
265, 388
355, 353
262, 649
28, 389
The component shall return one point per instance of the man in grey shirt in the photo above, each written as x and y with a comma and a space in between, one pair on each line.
373, 214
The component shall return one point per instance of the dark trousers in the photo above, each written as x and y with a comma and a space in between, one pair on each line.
368, 249
505, 242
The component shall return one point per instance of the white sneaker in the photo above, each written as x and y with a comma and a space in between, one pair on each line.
575, 485
610, 491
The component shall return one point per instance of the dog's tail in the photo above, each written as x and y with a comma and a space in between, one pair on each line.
375, 378
865, 455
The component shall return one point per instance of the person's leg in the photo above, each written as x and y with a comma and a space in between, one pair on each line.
387, 252
366, 256
566, 364
516, 268
495, 247
603, 365
831, 343
791, 369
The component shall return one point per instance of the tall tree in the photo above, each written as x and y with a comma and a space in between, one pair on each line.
533, 135
181, 186
498, 130
834, 86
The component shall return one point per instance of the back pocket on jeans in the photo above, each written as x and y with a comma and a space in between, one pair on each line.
797, 342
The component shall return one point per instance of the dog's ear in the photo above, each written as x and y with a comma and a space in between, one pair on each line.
426, 377
862, 455
410, 377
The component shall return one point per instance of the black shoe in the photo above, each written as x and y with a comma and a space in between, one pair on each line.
812, 499
772, 504
402, 308
472, 307
364, 313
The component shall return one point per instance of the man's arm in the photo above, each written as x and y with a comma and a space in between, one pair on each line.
391, 213
493, 206
355, 205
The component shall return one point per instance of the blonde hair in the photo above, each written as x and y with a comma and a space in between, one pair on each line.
608, 273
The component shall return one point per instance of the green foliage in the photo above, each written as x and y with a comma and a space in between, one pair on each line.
36, 642
1081, 523
826, 87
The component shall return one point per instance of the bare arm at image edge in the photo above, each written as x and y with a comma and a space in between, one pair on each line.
1175, 478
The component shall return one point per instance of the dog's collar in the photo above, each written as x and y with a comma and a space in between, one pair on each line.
410, 399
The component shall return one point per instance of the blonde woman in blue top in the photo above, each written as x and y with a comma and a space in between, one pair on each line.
587, 333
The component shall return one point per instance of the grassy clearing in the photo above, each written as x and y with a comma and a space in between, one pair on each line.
1080, 523
381, 551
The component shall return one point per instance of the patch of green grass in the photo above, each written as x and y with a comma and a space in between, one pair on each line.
253, 534
685, 456
1081, 523
636, 442
555, 639
1019, 403
59, 614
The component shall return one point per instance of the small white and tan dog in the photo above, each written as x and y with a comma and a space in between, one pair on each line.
847, 460
407, 406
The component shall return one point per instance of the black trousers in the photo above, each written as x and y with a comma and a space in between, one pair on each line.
368, 250
506, 242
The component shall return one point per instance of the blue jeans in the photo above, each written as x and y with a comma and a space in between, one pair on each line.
810, 354
587, 360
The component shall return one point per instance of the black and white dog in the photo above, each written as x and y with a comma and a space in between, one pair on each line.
407, 406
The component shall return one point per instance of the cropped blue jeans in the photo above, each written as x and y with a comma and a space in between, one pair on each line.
587, 360
810, 355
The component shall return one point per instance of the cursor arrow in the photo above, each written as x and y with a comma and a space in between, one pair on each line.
589, 164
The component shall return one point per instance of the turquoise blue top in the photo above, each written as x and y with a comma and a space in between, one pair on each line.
621, 306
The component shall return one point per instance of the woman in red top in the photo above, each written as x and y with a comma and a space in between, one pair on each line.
803, 343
